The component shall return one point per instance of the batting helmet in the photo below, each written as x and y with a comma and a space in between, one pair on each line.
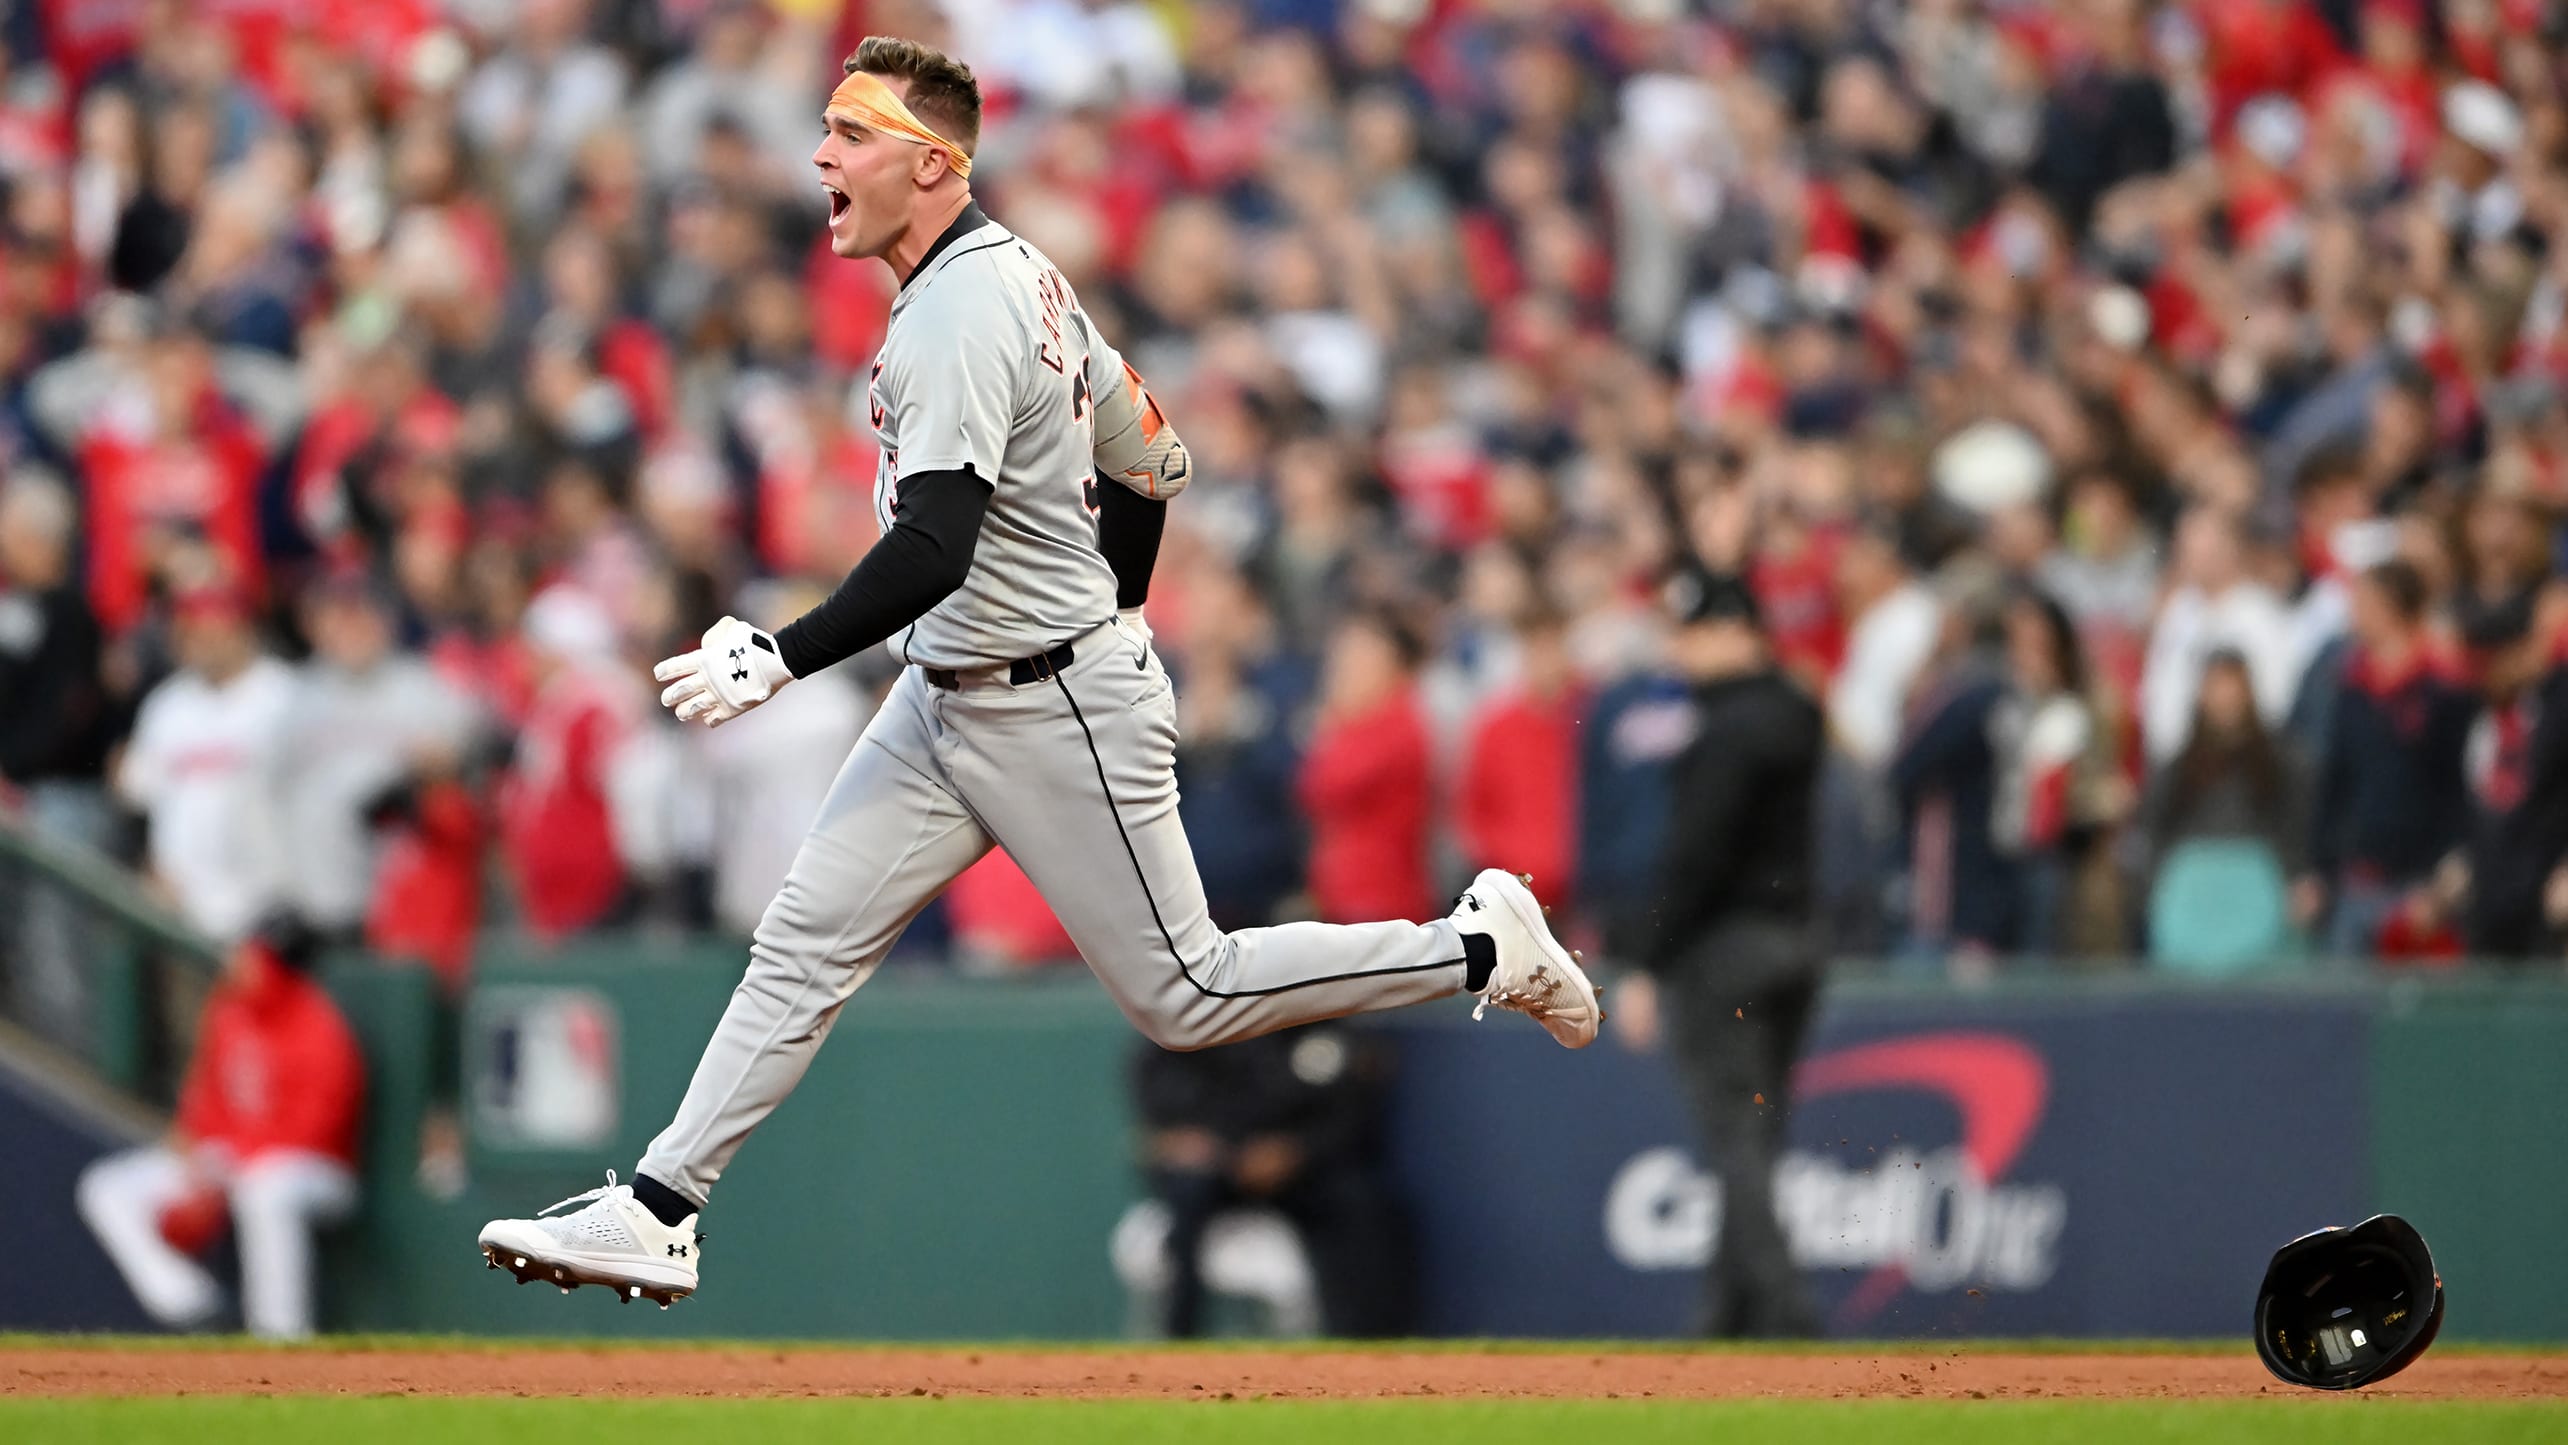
2341, 1308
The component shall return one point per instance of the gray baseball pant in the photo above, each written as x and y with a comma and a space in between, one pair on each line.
1075, 777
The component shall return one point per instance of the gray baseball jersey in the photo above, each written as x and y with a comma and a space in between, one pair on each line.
990, 364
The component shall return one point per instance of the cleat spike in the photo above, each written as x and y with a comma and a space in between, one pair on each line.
521, 1261
1525, 878
566, 1289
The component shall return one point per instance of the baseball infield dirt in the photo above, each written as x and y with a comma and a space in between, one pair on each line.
751, 1372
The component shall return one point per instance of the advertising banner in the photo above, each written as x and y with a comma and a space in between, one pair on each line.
2097, 1164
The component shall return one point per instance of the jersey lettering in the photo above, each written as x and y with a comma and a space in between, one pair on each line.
1054, 293
1085, 416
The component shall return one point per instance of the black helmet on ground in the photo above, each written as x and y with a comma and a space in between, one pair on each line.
2342, 1308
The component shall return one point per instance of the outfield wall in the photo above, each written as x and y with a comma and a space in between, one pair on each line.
2112, 1158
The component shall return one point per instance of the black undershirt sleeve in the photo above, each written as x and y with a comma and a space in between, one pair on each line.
927, 554
1128, 527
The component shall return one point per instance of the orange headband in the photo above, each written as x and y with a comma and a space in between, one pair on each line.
868, 102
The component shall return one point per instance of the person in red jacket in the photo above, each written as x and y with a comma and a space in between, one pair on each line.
265, 1142
427, 901
1366, 779
556, 818
179, 458
1519, 800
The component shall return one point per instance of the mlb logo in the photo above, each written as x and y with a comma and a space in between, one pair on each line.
542, 1068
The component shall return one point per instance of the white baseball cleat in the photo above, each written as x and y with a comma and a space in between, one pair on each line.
614, 1242
1535, 975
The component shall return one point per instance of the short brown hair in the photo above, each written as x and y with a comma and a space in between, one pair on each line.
2401, 586
942, 89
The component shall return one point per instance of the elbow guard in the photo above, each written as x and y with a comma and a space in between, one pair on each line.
1136, 444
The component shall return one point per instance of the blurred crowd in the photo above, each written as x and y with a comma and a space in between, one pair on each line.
2141, 424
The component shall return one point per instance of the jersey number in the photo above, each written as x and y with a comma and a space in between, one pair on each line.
1079, 409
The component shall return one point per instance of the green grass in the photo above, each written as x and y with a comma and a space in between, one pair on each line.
234, 1421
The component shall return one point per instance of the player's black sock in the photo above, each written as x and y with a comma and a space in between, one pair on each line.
1479, 960
666, 1205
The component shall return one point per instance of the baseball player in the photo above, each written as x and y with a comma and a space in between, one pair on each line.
1024, 477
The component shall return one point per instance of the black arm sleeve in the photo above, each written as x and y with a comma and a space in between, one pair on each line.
1128, 527
926, 555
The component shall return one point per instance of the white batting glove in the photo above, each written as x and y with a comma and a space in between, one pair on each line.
736, 668
1133, 621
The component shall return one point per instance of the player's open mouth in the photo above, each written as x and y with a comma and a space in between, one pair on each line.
838, 203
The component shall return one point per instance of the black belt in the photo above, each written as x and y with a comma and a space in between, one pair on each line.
1039, 668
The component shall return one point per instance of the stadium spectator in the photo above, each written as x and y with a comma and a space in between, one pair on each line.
496, 300
2234, 780
171, 456
431, 832
366, 723
740, 68
1293, 1122
1893, 621
1368, 779
205, 764
2045, 739
1965, 897
2213, 605
999, 923
2105, 570
2518, 767
2391, 802
1236, 766
264, 1146
556, 814
55, 733
1629, 740
533, 103
1516, 806
54, 737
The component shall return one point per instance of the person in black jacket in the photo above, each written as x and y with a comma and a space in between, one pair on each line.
2106, 120
57, 724
2392, 801
1962, 888
1731, 959
2518, 763
57, 721
1291, 1121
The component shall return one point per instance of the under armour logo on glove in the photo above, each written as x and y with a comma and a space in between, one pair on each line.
701, 690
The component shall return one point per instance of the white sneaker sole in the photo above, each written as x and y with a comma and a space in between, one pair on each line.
1527, 911
628, 1278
